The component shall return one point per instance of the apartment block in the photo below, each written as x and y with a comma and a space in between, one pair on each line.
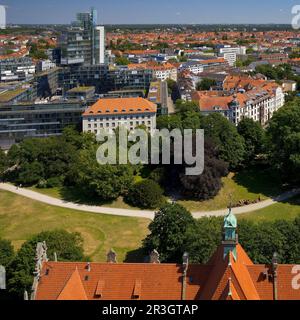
242, 98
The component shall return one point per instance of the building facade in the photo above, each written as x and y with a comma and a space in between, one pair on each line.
242, 98
17, 69
37, 120
230, 53
109, 114
84, 42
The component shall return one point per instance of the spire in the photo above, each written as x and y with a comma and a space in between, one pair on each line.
230, 238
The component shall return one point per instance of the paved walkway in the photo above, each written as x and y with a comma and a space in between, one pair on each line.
138, 213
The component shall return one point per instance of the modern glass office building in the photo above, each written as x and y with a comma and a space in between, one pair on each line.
84, 42
38, 120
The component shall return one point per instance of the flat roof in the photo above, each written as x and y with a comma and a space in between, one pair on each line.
80, 89
9, 95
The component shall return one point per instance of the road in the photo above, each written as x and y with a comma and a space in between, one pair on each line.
139, 213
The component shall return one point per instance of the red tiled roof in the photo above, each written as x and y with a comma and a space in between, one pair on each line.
120, 106
221, 279
119, 281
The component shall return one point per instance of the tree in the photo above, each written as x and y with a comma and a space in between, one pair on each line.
3, 163
42, 159
182, 106
145, 194
6, 252
254, 137
209, 183
68, 247
107, 182
284, 141
261, 241
168, 232
203, 239
169, 122
205, 84
224, 134
30, 173
122, 61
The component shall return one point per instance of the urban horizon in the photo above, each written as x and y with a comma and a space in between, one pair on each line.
116, 13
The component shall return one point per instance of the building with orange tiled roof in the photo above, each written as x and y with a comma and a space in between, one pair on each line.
126, 112
229, 275
242, 97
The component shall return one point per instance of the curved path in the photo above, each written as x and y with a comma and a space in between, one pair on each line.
139, 213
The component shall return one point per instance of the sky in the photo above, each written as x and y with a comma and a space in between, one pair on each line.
152, 11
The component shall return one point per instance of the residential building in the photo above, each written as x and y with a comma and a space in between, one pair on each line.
242, 97
230, 274
162, 72
207, 65
110, 114
230, 53
275, 59
289, 85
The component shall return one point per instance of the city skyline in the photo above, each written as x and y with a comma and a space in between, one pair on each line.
177, 12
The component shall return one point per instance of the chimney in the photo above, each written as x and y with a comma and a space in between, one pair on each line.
185, 265
111, 256
154, 257
55, 257
88, 267
275, 274
25, 295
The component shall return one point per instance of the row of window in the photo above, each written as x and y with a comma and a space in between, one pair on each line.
114, 124
129, 128
119, 118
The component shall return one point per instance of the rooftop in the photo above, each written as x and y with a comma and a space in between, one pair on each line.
81, 89
121, 106
11, 94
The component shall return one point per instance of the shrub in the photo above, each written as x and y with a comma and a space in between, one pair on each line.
145, 194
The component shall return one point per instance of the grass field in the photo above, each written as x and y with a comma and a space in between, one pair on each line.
20, 218
285, 210
246, 185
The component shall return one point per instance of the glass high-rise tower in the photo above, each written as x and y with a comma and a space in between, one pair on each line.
84, 43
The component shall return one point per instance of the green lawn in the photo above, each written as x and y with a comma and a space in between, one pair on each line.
20, 218
73, 195
246, 185
284, 210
